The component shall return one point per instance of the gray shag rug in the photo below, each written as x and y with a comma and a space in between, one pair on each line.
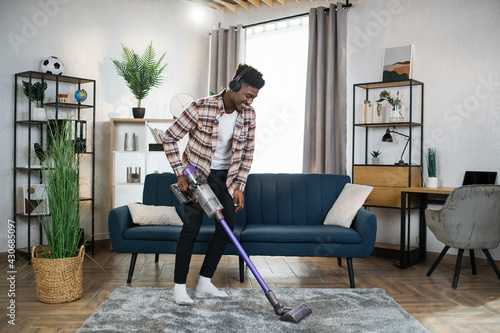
145, 309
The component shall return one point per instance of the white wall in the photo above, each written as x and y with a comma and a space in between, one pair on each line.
455, 47
85, 35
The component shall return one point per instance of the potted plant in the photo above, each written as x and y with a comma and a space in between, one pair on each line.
432, 180
397, 107
141, 73
58, 268
375, 156
36, 93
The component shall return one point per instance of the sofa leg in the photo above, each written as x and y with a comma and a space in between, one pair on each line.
242, 269
131, 268
351, 272
157, 257
339, 261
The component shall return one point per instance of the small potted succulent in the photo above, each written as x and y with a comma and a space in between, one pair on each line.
141, 73
375, 156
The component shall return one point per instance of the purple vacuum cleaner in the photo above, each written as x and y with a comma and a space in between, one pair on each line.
201, 192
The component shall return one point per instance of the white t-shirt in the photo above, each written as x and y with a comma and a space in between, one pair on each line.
222, 156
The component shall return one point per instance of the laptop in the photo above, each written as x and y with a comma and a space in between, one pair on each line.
480, 177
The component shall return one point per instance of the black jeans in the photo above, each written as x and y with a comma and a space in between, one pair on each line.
193, 217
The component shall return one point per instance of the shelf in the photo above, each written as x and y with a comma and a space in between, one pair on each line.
402, 124
375, 85
69, 105
52, 77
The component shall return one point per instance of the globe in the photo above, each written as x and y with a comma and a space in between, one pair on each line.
81, 95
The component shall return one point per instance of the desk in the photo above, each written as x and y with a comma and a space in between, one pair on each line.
408, 256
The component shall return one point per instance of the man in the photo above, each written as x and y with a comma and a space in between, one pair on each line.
221, 143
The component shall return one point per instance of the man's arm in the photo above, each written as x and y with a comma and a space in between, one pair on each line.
185, 123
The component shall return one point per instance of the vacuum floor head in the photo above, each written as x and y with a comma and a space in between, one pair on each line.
297, 314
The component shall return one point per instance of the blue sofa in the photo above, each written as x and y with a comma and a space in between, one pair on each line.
283, 216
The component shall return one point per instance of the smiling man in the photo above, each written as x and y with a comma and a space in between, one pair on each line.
221, 144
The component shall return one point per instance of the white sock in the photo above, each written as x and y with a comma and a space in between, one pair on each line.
206, 286
180, 295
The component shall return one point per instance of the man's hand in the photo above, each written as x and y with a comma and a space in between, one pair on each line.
238, 200
183, 184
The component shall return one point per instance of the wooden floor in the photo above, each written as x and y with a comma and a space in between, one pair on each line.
473, 307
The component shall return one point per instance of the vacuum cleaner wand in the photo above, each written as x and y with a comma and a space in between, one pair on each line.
201, 192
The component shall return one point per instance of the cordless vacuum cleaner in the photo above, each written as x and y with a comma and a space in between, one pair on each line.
201, 192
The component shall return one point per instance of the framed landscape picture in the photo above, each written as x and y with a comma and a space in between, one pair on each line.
397, 63
35, 199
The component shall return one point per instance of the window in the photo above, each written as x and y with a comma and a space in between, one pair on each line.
279, 51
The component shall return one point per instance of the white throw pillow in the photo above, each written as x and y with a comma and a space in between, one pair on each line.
348, 203
154, 215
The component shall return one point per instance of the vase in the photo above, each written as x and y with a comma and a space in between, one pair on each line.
432, 182
138, 112
58, 280
397, 114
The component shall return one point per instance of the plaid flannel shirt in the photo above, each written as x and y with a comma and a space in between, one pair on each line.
201, 121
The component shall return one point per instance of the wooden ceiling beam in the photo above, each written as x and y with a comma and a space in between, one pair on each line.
256, 3
243, 4
222, 9
270, 3
283, 2
229, 6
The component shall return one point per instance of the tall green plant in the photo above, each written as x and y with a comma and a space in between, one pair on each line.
141, 73
61, 176
431, 162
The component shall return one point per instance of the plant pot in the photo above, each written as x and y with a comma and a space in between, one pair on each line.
58, 280
138, 112
432, 182
375, 160
396, 115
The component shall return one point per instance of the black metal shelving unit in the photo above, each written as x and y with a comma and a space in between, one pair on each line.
415, 124
36, 127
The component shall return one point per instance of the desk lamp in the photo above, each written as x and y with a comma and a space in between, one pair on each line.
388, 138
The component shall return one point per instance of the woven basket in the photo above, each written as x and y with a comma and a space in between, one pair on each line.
58, 280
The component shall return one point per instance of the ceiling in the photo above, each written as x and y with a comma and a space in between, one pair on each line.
235, 5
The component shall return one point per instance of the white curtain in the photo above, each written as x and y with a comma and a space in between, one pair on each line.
326, 100
227, 48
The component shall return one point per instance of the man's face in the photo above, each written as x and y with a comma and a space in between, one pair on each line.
244, 96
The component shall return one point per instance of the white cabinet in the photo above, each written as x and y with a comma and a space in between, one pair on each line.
143, 158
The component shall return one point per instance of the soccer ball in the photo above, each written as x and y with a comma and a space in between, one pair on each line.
52, 65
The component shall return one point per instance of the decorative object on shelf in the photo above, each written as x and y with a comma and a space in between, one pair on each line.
141, 74
179, 103
388, 138
52, 65
63, 98
375, 156
432, 180
129, 142
77, 135
397, 63
396, 115
80, 95
133, 176
58, 274
377, 116
39, 152
35, 199
37, 95
157, 134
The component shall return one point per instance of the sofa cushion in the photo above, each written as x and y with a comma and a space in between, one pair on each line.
153, 215
170, 233
291, 199
347, 205
300, 234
